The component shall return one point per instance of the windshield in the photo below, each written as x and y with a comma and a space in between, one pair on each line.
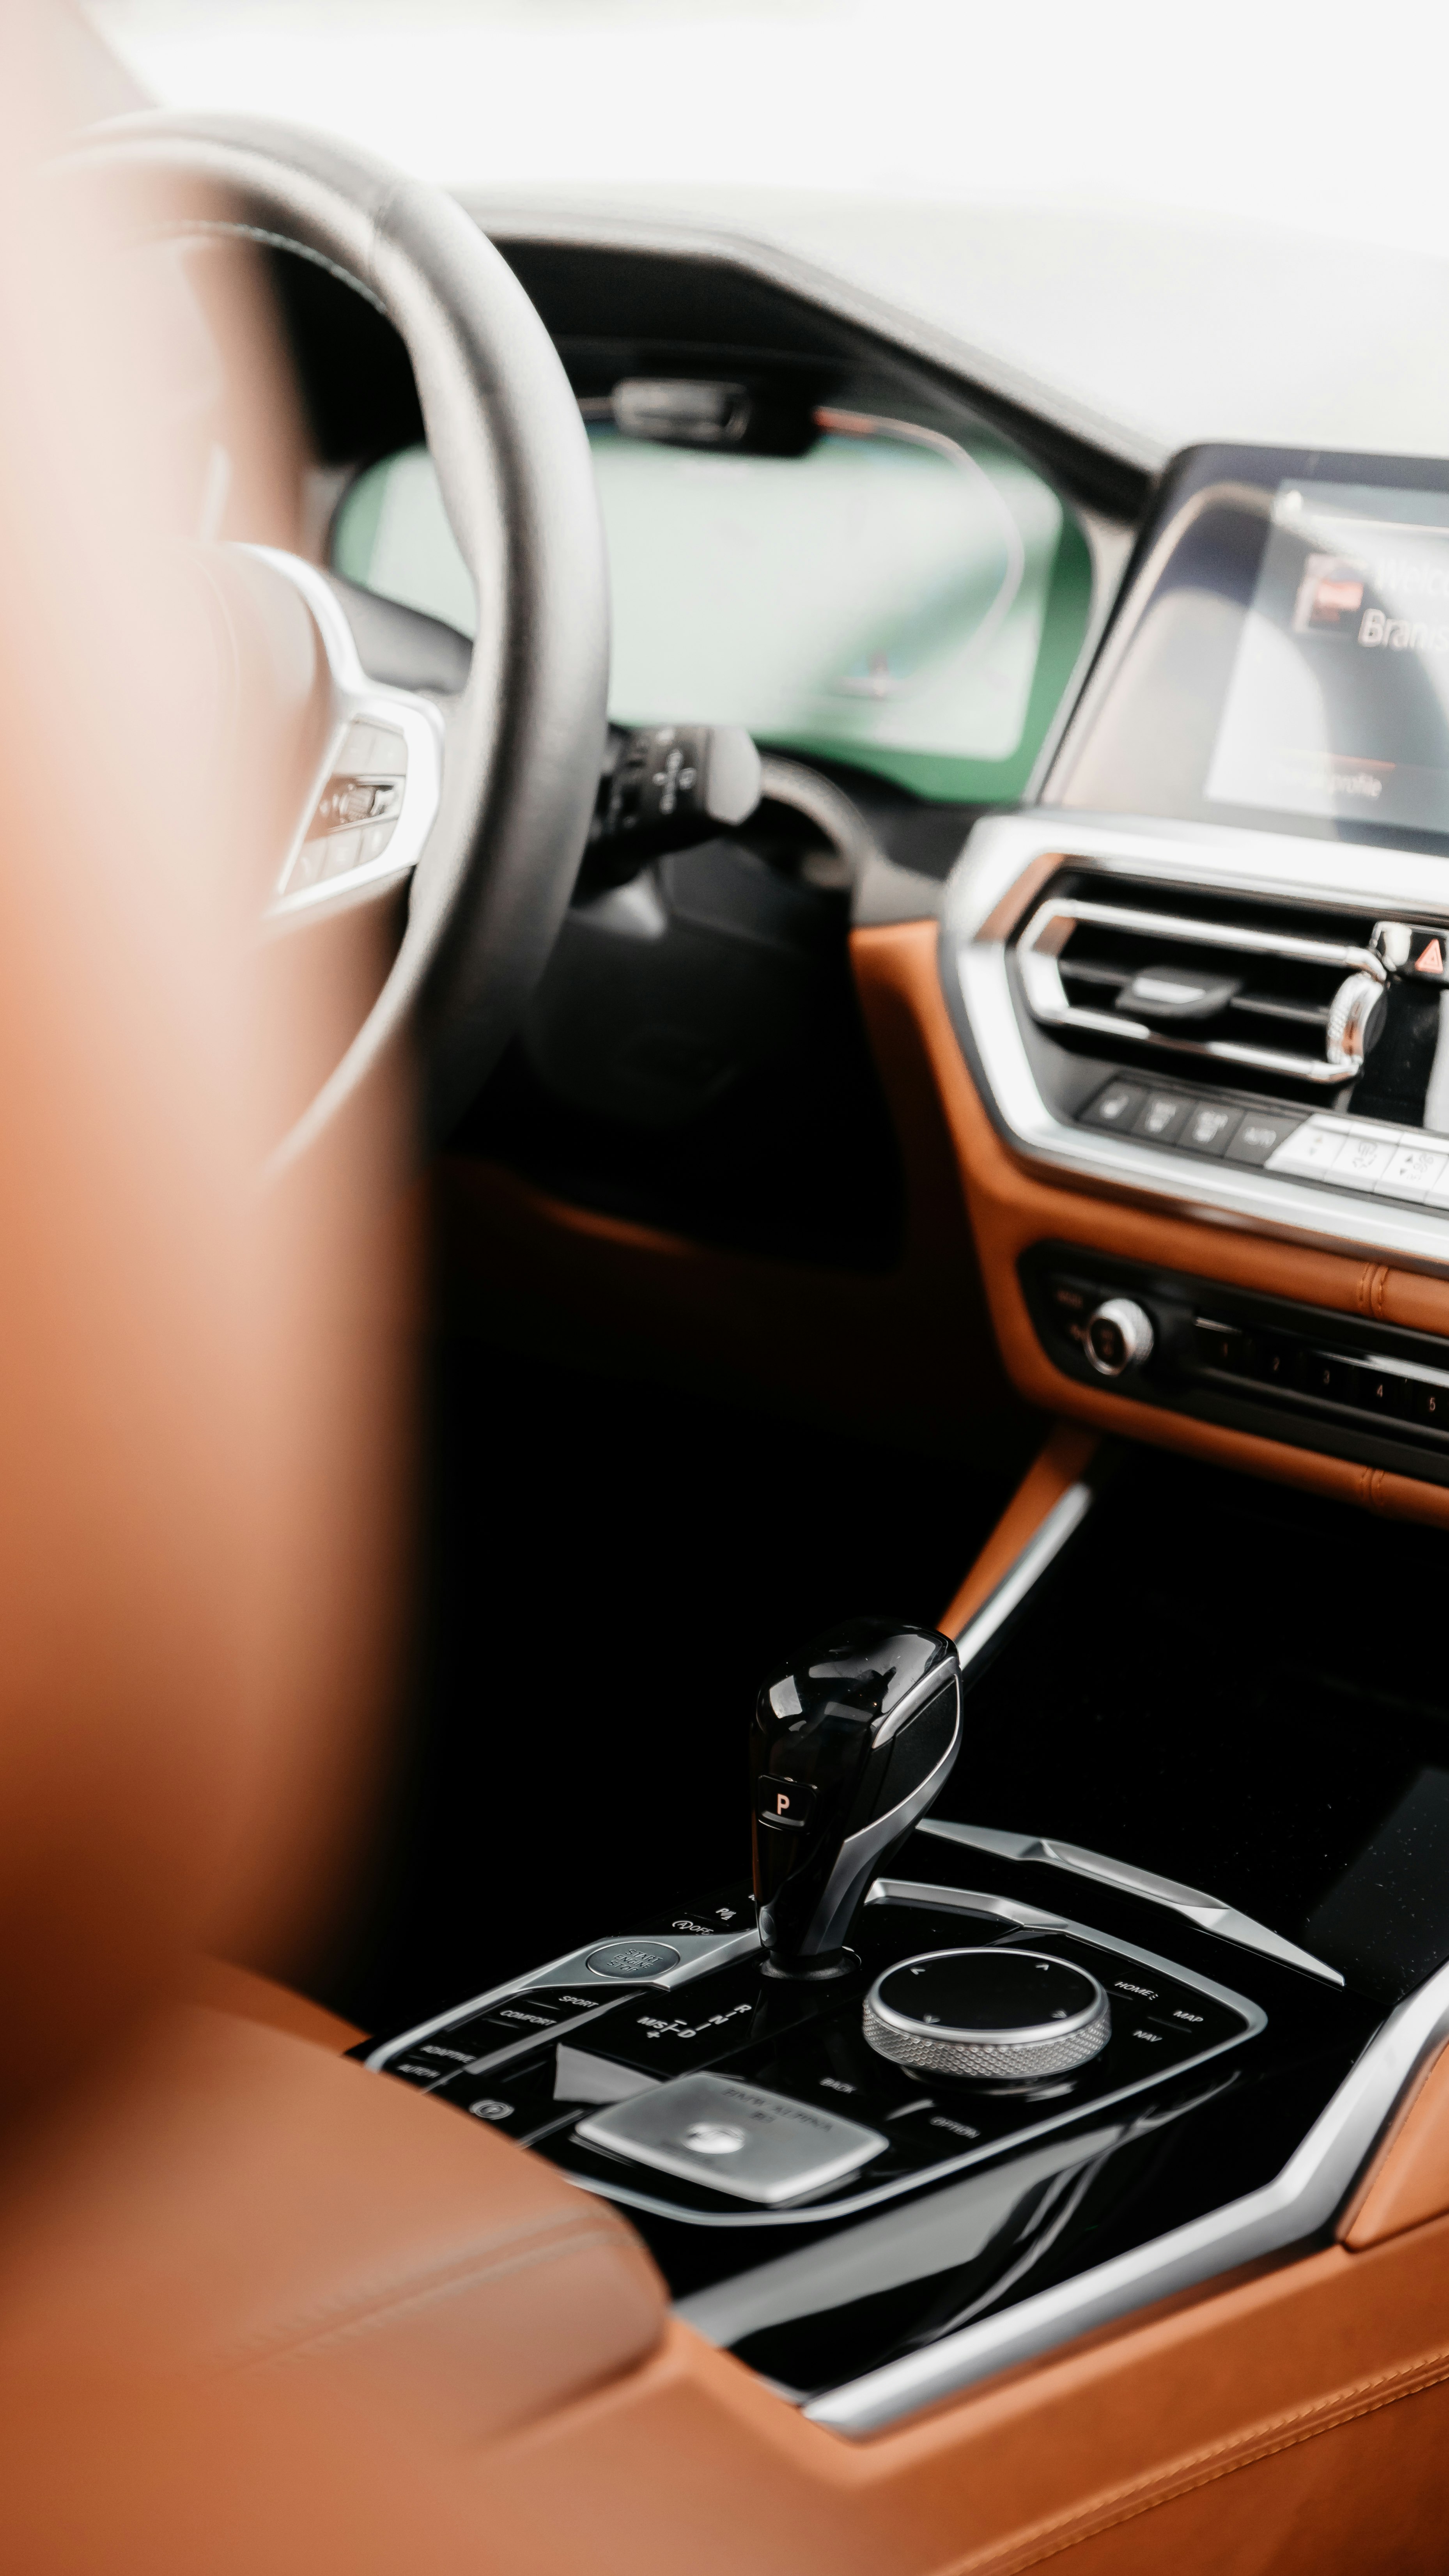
1231, 225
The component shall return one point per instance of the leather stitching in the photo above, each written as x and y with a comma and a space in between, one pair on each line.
366, 2314
1204, 2468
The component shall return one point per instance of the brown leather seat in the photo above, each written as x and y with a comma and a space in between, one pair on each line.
236, 2201
232, 2265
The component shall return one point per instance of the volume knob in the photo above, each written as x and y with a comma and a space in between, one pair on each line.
1118, 1336
1002, 2016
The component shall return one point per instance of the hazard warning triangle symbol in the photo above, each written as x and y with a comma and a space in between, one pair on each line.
1432, 960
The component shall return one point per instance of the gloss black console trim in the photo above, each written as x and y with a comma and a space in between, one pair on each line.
1252, 2016
1289, 2211
698, 1954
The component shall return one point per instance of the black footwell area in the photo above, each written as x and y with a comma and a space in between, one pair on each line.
611, 1568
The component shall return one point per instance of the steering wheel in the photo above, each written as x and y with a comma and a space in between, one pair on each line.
472, 799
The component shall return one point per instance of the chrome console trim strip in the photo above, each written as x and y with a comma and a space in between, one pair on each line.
1208, 1912
1297, 2205
1046, 1542
992, 890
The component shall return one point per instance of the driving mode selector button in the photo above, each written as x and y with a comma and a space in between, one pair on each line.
1118, 1336
1002, 2016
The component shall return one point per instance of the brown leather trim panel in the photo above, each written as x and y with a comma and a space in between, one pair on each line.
1012, 1208
1254, 2430
229, 1989
238, 2201
1066, 1456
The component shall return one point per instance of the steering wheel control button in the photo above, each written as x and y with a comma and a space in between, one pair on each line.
1118, 1336
735, 2137
999, 2016
632, 1960
357, 810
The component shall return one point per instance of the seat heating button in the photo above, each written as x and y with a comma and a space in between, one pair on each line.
1117, 1106
1161, 1117
1261, 1134
1211, 1128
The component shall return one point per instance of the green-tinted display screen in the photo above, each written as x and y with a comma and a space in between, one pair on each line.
912, 605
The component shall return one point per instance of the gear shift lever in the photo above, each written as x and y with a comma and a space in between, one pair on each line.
851, 1742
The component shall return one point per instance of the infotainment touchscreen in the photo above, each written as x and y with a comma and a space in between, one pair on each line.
1280, 654
1338, 703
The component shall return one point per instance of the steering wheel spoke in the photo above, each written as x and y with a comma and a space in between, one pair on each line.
377, 790
459, 789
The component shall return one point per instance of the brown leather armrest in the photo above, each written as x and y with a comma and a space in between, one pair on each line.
239, 2201
251, 1997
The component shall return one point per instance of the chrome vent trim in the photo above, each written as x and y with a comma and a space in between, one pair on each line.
1003, 873
1041, 947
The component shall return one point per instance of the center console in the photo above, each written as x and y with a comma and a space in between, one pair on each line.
1084, 1960
1205, 978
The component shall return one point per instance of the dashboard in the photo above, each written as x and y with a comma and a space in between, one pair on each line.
882, 597
1169, 762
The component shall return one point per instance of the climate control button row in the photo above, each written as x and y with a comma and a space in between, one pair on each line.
1353, 1154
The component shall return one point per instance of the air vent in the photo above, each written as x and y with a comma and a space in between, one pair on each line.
1251, 996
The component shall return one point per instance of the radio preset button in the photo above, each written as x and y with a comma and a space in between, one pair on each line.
1313, 1147
1380, 1390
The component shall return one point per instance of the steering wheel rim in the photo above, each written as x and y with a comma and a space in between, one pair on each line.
519, 747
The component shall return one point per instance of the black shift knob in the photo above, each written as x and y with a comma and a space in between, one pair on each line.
850, 1743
